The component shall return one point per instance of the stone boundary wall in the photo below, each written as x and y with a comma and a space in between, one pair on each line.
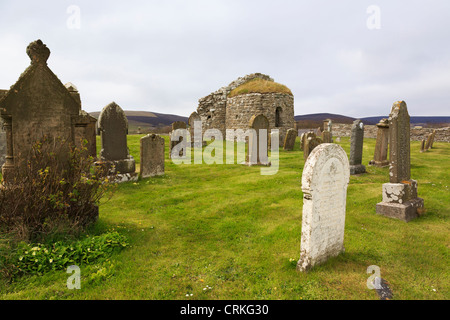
370, 131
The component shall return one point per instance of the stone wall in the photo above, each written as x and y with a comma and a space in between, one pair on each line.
241, 108
370, 131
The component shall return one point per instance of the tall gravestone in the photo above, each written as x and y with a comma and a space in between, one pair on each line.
38, 105
258, 146
422, 146
356, 148
289, 140
380, 158
324, 184
400, 194
113, 128
152, 156
310, 141
192, 119
175, 126
432, 139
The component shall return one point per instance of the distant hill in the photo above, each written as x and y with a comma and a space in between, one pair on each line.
148, 121
316, 120
419, 120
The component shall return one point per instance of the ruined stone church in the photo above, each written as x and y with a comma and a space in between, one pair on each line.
233, 106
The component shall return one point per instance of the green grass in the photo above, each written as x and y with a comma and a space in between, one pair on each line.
238, 232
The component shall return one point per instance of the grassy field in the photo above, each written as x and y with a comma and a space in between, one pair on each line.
228, 232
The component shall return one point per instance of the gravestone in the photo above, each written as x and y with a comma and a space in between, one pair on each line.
381, 145
326, 137
356, 148
152, 156
175, 126
428, 142
310, 142
289, 140
302, 140
39, 105
324, 184
422, 146
113, 128
2, 145
193, 118
258, 146
400, 199
432, 139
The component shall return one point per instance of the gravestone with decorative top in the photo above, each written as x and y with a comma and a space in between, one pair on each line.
400, 199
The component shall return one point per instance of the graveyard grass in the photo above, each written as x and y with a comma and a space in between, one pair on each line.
227, 232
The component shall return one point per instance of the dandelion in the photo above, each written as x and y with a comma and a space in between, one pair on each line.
51, 260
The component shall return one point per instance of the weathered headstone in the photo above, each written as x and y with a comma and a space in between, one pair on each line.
422, 145
289, 140
258, 146
38, 105
428, 142
326, 137
432, 139
338, 139
324, 184
302, 140
2, 145
381, 145
400, 194
176, 125
310, 141
113, 127
356, 148
192, 119
152, 156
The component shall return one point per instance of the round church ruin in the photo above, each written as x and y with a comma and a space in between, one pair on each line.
233, 106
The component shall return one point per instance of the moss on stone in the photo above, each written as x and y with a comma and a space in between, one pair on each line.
258, 85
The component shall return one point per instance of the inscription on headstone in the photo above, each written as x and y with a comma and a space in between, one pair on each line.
324, 184
152, 156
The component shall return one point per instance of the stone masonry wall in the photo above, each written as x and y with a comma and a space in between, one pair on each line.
241, 108
370, 131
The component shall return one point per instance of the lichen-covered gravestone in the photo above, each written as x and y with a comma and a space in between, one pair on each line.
356, 148
113, 127
258, 146
2, 145
310, 141
400, 199
324, 184
289, 140
152, 156
175, 126
381, 145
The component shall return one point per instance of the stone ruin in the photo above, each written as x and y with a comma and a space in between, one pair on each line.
38, 105
152, 156
219, 111
113, 129
400, 199
324, 184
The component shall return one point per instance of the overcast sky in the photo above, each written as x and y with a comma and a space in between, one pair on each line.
351, 57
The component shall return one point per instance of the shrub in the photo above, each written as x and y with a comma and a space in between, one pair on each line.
54, 191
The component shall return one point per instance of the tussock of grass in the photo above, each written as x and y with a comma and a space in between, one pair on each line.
259, 86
